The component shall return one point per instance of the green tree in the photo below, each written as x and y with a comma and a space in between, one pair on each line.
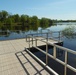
16, 18
23, 19
34, 22
26, 21
22, 22
0, 25
9, 24
3, 15
44, 22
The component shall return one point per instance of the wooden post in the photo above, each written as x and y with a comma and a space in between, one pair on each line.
46, 53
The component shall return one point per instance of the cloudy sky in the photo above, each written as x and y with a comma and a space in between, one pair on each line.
53, 9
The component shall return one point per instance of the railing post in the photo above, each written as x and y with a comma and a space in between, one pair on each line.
51, 34
32, 39
7, 32
46, 53
54, 52
41, 32
47, 36
29, 43
26, 37
36, 42
66, 58
59, 36
37, 33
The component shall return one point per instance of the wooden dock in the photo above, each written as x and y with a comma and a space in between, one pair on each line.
15, 61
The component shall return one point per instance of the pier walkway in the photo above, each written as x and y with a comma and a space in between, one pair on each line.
15, 61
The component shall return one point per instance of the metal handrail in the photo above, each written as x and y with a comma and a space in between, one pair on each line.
47, 33
42, 34
66, 65
52, 71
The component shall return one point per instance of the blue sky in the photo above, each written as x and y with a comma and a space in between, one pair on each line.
53, 9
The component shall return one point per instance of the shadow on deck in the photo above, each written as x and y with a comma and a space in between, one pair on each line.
30, 65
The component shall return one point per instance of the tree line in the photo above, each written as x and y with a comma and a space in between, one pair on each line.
66, 20
22, 22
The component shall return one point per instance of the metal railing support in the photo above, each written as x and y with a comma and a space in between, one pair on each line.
51, 70
66, 65
46, 53
59, 35
26, 37
47, 36
66, 58
54, 52
41, 32
36, 42
29, 43
32, 39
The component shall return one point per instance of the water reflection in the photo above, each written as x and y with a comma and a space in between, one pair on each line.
69, 32
69, 40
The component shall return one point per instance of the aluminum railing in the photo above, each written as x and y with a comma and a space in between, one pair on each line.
46, 35
37, 33
66, 50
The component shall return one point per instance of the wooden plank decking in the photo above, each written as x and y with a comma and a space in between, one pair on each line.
14, 63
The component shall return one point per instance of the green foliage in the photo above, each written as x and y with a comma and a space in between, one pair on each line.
16, 18
22, 22
69, 32
44, 23
0, 25
34, 23
8, 24
3, 15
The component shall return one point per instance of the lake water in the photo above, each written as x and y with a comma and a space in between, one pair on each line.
67, 42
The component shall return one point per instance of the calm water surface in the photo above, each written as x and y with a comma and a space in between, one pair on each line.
67, 42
